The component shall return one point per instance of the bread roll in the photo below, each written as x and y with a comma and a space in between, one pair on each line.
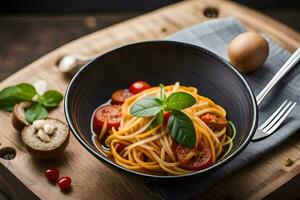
46, 138
18, 115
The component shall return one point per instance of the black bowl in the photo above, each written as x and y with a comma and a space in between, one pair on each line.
160, 62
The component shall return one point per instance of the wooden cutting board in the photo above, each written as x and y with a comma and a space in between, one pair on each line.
93, 180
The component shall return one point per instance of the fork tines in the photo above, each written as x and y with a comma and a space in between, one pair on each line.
274, 121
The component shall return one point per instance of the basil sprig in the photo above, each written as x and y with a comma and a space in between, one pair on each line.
13, 95
146, 107
36, 111
180, 101
182, 129
179, 124
157, 120
50, 99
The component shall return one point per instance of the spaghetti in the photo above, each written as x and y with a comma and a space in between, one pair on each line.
133, 145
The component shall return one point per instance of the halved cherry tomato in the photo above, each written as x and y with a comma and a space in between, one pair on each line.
166, 116
201, 160
138, 87
213, 121
111, 113
119, 97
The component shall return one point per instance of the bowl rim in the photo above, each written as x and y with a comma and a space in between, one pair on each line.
111, 163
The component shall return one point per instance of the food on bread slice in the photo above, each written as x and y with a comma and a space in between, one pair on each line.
46, 138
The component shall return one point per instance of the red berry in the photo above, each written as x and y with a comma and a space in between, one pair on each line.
64, 183
166, 116
52, 174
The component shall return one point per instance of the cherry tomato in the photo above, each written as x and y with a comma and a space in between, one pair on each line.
138, 87
111, 113
213, 121
52, 174
166, 116
64, 183
119, 97
201, 160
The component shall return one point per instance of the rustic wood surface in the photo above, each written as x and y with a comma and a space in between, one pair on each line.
91, 179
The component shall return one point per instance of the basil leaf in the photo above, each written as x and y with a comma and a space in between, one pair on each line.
162, 93
10, 96
35, 111
146, 107
182, 129
180, 100
51, 98
159, 118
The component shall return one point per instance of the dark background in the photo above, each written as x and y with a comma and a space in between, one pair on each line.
57, 6
286, 11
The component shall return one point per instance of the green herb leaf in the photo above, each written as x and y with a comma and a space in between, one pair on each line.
179, 101
35, 111
159, 118
162, 93
51, 98
15, 94
146, 107
182, 129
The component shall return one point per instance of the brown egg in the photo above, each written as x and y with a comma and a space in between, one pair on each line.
248, 51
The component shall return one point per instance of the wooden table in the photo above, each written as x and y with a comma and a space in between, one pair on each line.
264, 178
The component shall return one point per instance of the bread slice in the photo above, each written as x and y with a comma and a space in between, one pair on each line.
46, 138
18, 115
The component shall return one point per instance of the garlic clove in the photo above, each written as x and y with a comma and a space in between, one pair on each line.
67, 63
43, 136
49, 128
38, 124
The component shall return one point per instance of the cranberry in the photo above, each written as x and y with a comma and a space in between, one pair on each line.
52, 174
64, 183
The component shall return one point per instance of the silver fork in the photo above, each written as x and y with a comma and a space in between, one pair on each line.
276, 119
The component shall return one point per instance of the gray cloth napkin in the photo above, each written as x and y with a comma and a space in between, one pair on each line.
215, 35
